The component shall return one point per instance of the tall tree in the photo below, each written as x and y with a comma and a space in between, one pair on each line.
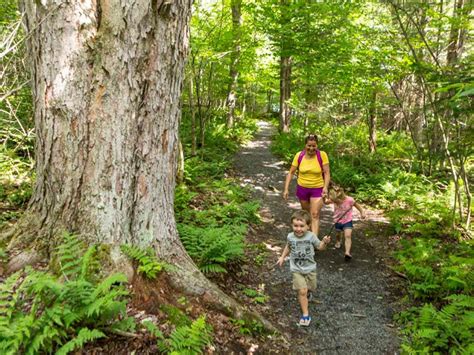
285, 68
236, 8
107, 83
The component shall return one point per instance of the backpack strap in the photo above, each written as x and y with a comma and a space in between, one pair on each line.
320, 160
300, 158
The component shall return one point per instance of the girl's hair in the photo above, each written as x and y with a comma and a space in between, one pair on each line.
336, 193
302, 215
311, 137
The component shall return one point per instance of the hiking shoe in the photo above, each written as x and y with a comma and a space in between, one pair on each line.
305, 321
348, 257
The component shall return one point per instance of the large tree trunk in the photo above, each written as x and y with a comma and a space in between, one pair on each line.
106, 84
106, 88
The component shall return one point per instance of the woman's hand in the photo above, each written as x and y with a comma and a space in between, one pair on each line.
285, 195
325, 192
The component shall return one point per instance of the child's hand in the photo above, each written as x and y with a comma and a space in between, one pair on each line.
327, 239
362, 215
280, 261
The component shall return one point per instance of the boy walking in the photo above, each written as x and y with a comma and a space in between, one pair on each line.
300, 246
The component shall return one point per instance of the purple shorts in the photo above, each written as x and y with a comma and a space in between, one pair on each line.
305, 193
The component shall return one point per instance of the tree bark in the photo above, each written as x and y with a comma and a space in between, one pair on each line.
236, 6
106, 89
285, 93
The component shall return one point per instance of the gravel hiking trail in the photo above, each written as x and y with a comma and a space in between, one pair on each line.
353, 306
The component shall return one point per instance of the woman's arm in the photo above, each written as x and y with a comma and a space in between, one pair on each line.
288, 180
327, 179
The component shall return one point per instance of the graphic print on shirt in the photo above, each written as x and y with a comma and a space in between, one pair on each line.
301, 251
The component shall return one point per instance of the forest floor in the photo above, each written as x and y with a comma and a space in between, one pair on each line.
352, 311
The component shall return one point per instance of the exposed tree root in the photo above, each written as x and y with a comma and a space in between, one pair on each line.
195, 284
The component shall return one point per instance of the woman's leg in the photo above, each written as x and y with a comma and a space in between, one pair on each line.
305, 205
348, 240
315, 208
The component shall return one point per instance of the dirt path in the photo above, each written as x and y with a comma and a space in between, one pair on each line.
352, 310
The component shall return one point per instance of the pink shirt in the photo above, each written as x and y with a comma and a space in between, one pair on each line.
340, 209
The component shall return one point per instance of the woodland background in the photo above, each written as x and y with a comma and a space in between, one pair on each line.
387, 86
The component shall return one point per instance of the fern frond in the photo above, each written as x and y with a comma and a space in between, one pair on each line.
190, 339
69, 254
148, 264
9, 296
84, 336
153, 329
108, 283
87, 261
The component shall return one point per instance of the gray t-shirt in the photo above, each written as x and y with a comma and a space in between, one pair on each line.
302, 252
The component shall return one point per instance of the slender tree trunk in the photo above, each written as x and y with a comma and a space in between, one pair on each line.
285, 93
236, 6
192, 111
372, 121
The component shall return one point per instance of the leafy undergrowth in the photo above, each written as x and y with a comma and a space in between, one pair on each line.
76, 308
212, 211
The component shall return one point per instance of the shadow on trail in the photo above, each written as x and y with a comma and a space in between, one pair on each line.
352, 310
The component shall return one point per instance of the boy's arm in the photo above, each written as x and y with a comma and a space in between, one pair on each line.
361, 210
283, 255
324, 243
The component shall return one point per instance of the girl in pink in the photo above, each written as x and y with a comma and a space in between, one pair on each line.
343, 205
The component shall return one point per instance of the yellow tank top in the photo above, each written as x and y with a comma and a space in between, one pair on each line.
309, 172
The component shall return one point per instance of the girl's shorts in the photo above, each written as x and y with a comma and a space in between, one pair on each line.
304, 281
306, 193
341, 226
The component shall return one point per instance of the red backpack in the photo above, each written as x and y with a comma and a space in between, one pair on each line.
318, 155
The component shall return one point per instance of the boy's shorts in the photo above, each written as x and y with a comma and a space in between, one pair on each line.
306, 193
341, 226
304, 281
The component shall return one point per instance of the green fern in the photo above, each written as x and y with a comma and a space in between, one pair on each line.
213, 248
449, 329
69, 253
148, 264
40, 311
188, 339
84, 336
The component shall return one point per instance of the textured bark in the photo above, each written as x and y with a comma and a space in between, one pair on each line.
106, 87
